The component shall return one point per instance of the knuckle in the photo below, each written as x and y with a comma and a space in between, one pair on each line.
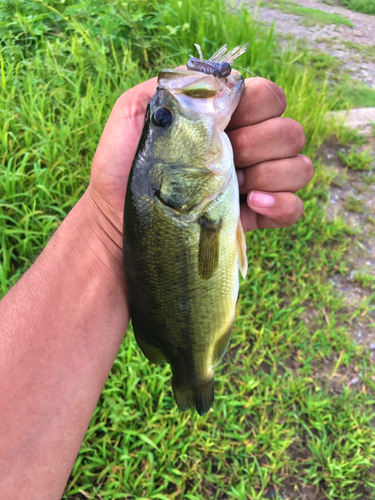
242, 144
296, 136
266, 175
308, 168
131, 103
121, 100
256, 85
280, 94
261, 87
291, 212
268, 87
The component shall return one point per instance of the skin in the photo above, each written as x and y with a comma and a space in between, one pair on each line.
62, 324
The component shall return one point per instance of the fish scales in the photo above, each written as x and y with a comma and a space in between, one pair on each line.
182, 237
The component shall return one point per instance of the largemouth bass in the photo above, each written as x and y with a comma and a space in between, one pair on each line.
183, 239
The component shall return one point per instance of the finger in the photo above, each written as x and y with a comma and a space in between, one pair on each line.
270, 210
271, 140
123, 129
119, 142
261, 100
134, 102
287, 174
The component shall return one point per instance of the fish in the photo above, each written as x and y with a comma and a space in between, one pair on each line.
183, 240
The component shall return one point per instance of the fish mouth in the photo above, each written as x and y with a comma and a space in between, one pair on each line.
180, 79
199, 93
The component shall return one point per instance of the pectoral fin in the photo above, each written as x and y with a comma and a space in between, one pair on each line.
209, 244
241, 249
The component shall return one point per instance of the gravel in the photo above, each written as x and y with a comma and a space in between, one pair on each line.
329, 38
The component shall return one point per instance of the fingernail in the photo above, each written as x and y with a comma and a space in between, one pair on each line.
261, 200
240, 177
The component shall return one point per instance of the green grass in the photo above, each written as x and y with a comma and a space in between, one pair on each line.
284, 409
364, 278
350, 136
357, 94
367, 51
310, 17
345, 89
357, 160
354, 204
341, 176
365, 6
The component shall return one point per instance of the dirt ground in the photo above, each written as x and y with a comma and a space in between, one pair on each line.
330, 38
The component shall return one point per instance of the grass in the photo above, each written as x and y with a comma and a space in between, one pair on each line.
341, 176
284, 408
310, 17
351, 136
365, 6
357, 94
369, 179
367, 51
345, 91
357, 160
354, 204
364, 278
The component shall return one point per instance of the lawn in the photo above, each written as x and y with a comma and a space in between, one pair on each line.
309, 17
365, 6
285, 415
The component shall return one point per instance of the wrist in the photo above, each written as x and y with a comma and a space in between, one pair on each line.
100, 228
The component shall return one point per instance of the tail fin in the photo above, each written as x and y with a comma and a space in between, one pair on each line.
202, 397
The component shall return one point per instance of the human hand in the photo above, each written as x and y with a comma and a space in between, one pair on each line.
265, 147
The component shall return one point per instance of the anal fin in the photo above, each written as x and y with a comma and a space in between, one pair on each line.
152, 353
221, 346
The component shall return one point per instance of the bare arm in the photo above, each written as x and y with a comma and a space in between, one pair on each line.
61, 327
62, 324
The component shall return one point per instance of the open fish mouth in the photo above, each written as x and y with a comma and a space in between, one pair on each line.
203, 87
203, 94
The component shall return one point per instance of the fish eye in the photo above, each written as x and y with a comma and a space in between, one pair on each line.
161, 117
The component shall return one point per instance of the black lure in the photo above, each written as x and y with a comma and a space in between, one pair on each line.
220, 70
219, 65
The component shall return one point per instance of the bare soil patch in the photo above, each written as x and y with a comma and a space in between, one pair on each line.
330, 38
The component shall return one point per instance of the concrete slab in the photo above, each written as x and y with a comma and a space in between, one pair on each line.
359, 118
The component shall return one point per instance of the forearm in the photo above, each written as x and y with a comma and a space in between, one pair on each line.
61, 327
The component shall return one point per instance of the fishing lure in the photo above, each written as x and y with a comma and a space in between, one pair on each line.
219, 65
